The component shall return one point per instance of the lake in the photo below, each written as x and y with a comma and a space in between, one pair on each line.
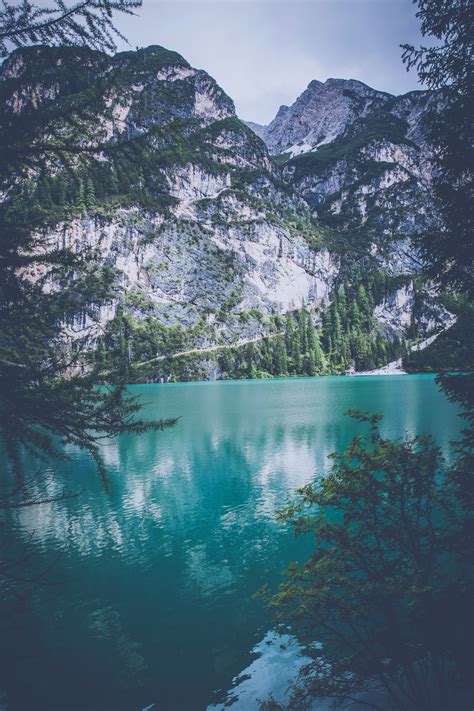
146, 592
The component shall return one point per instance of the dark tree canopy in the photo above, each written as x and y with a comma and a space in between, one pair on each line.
50, 297
448, 253
448, 66
448, 63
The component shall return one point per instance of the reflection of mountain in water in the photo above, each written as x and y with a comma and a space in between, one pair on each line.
237, 453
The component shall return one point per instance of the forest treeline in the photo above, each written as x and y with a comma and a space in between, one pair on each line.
345, 336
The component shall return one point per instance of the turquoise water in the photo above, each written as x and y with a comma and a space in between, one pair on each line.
149, 597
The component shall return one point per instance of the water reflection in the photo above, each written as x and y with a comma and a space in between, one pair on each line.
278, 661
158, 576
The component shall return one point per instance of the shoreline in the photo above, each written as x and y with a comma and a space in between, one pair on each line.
283, 377
393, 368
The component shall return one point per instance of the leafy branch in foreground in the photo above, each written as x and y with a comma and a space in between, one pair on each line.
49, 315
448, 66
387, 590
50, 297
75, 412
86, 22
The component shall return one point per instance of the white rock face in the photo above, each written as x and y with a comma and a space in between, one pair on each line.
396, 312
193, 183
186, 266
404, 157
116, 123
413, 107
14, 68
378, 175
208, 103
214, 244
204, 106
324, 111
394, 199
298, 149
174, 73
32, 96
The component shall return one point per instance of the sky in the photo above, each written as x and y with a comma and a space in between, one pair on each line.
264, 53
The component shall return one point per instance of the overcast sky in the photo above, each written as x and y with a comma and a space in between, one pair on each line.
265, 52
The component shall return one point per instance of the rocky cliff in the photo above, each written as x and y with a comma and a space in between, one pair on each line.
204, 231
359, 157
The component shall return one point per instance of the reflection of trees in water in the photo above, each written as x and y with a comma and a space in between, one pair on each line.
193, 487
211, 477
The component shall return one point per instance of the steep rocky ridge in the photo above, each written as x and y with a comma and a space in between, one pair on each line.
359, 157
204, 232
319, 115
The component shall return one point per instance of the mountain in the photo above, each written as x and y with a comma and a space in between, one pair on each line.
319, 115
359, 157
244, 264
326, 111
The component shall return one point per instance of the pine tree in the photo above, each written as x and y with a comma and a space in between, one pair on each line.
381, 351
226, 363
88, 23
309, 364
395, 348
342, 307
326, 330
289, 334
303, 330
363, 301
90, 195
354, 315
446, 65
43, 194
346, 351
296, 359
319, 357
311, 337
250, 356
280, 362
60, 191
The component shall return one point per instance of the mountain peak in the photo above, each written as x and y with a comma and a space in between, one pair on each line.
339, 82
155, 84
154, 57
314, 84
320, 114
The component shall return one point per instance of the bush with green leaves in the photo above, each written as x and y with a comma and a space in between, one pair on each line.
387, 590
